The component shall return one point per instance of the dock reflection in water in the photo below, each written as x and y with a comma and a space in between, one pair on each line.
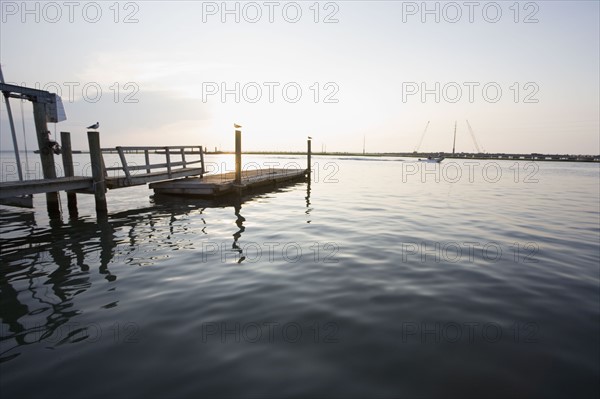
57, 263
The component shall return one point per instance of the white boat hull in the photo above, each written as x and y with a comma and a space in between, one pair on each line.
432, 160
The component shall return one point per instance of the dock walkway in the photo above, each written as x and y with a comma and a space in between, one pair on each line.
27, 187
126, 175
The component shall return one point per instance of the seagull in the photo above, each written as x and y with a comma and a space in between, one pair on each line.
94, 126
237, 126
310, 138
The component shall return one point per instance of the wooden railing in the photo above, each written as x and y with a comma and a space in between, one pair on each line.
174, 169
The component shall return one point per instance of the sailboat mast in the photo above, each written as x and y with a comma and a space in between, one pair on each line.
454, 143
364, 138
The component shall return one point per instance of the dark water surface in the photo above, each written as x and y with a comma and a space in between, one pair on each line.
374, 279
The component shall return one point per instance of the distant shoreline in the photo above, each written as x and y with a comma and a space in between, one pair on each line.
495, 156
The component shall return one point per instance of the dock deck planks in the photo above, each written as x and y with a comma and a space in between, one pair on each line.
220, 184
26, 187
143, 178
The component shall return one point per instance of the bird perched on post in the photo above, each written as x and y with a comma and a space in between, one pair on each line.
235, 125
94, 126
310, 138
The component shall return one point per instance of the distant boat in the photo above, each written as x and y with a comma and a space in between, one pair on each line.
439, 158
432, 159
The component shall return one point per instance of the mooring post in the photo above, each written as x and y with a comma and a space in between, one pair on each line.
308, 153
168, 155
46, 154
202, 161
97, 172
67, 158
147, 158
238, 157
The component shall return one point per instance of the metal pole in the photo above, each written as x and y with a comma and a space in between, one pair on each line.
454, 142
12, 129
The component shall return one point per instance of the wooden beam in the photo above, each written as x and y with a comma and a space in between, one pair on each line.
26, 187
97, 172
46, 154
183, 158
67, 158
308, 154
152, 148
152, 166
124, 163
121, 182
238, 157
147, 158
202, 161
168, 155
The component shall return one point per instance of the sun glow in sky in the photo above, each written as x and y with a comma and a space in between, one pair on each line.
525, 74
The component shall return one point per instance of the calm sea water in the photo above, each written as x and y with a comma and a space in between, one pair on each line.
379, 277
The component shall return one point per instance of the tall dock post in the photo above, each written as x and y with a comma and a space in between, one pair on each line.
46, 154
67, 158
238, 156
97, 172
308, 154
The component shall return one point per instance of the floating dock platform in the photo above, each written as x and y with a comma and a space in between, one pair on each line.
225, 183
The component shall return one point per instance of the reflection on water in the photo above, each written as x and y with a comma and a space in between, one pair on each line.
77, 245
239, 222
308, 208
322, 288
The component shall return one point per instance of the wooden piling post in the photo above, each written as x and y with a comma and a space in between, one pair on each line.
308, 155
97, 172
147, 157
168, 155
67, 158
202, 161
46, 154
238, 157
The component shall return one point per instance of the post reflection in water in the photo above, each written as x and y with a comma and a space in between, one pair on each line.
27, 257
236, 236
308, 208
44, 269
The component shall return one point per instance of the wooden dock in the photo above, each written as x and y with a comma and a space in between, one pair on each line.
177, 174
18, 193
125, 175
221, 184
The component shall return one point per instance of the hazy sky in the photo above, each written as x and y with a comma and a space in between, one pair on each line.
525, 75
